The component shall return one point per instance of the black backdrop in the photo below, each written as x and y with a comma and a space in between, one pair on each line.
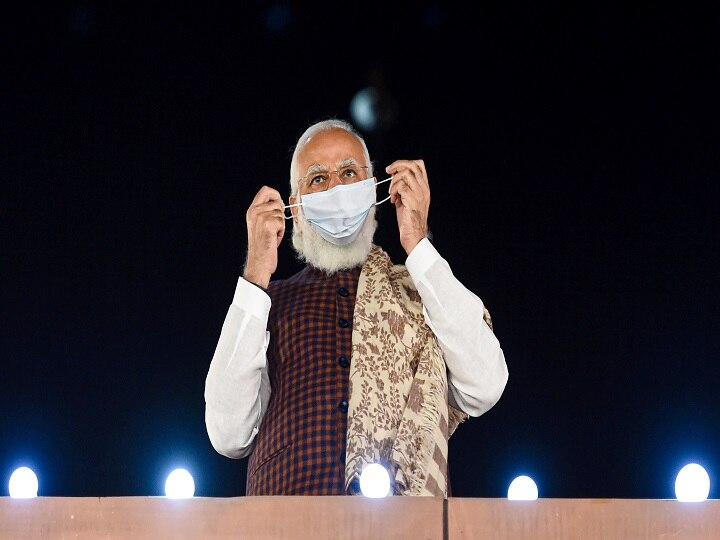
572, 156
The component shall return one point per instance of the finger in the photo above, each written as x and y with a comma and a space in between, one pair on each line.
266, 200
417, 165
405, 196
405, 184
416, 170
398, 165
269, 206
266, 194
395, 189
413, 170
400, 192
422, 172
256, 218
270, 226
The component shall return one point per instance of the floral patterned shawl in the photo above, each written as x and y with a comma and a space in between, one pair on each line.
398, 413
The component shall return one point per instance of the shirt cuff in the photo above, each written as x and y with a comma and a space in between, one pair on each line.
251, 298
422, 257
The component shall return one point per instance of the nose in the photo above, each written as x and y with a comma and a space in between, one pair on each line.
334, 179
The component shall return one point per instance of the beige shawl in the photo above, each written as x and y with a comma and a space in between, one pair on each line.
398, 413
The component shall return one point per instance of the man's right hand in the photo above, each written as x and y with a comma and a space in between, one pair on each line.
266, 227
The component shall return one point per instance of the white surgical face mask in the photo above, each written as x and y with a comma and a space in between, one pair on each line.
338, 213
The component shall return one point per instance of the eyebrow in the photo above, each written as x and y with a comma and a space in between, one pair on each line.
317, 167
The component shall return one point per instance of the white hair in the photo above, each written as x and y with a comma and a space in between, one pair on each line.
323, 125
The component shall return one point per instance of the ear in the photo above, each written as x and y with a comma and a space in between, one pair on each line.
293, 210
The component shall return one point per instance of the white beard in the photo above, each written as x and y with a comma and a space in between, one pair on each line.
326, 256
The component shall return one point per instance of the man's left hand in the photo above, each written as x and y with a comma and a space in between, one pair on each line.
410, 193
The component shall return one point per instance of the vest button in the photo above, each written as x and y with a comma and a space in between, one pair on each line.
343, 361
344, 323
343, 406
342, 291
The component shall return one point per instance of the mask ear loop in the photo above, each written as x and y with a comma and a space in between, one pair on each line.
290, 206
386, 198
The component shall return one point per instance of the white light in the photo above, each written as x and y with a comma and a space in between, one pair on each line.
179, 485
364, 108
523, 488
23, 484
375, 481
692, 484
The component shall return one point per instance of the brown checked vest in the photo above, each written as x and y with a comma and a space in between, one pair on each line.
322, 345
300, 448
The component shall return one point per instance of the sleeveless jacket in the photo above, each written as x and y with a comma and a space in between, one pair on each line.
300, 447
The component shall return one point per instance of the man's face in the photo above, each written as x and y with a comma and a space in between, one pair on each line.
328, 159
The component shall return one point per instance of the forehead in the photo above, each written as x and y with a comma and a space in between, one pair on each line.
329, 148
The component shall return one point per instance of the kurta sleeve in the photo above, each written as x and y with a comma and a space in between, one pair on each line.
477, 371
237, 387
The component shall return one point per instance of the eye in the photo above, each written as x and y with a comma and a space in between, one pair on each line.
317, 179
349, 173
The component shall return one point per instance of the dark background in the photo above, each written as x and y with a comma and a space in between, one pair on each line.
572, 156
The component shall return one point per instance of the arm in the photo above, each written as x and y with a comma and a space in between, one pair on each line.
477, 372
237, 388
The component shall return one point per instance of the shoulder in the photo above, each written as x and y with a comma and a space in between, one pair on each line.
304, 280
404, 285
278, 286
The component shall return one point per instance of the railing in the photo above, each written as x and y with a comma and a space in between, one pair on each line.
318, 518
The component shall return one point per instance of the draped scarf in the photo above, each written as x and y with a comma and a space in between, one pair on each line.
398, 411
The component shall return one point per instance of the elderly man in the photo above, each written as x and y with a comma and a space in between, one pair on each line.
353, 360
